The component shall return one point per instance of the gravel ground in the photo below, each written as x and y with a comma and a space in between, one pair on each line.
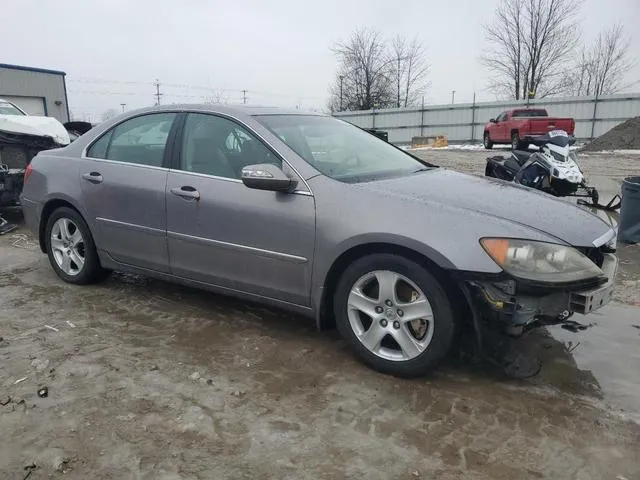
623, 136
147, 380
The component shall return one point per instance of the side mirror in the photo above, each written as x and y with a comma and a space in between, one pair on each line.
266, 176
492, 120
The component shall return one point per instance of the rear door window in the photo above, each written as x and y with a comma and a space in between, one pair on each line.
140, 140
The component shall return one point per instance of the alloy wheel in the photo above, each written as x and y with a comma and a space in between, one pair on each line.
390, 315
67, 246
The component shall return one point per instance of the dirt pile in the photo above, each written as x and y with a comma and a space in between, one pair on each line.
625, 136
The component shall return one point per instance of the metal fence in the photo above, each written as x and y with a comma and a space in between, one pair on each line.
465, 122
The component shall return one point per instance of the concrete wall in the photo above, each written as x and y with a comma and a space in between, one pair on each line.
34, 82
465, 122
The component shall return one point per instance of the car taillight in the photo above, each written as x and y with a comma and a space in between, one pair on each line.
27, 173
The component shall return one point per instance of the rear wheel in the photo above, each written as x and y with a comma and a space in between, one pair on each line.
394, 314
488, 144
515, 141
70, 248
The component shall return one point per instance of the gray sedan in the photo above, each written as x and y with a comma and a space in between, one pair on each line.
312, 214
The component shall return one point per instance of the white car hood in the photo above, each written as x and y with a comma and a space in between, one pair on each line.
33, 125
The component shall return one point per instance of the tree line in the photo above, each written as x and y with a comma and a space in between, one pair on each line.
534, 50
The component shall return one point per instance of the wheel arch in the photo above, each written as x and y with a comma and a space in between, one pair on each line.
435, 263
50, 206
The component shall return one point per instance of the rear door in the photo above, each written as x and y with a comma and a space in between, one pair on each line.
124, 176
223, 233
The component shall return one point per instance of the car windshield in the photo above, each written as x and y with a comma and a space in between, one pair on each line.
7, 108
340, 150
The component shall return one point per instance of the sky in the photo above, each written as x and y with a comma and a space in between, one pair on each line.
279, 51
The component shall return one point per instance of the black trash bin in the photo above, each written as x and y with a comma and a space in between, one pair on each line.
629, 226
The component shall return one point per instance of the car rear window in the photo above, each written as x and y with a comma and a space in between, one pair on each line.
538, 112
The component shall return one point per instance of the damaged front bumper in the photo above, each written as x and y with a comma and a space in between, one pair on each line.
518, 307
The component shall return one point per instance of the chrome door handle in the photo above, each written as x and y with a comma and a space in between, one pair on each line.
186, 192
93, 177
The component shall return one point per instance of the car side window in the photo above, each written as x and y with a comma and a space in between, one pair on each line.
217, 146
502, 117
140, 140
99, 148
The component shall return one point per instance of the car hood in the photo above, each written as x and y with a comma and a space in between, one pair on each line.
496, 198
35, 125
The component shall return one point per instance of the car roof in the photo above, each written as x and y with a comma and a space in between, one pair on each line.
233, 110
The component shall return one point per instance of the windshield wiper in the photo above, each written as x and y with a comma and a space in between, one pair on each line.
422, 169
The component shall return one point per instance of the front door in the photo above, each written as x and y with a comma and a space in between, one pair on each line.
223, 233
502, 133
123, 180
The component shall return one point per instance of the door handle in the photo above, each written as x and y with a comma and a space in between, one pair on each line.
93, 177
186, 192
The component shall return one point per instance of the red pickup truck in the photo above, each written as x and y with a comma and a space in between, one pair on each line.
513, 125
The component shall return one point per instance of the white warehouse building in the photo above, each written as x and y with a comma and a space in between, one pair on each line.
37, 91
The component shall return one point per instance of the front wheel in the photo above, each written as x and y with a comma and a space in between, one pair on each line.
70, 248
394, 314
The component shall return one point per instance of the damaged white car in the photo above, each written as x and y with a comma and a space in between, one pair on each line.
22, 136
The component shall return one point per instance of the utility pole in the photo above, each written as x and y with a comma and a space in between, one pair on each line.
341, 80
157, 94
244, 96
422, 118
453, 97
123, 105
398, 75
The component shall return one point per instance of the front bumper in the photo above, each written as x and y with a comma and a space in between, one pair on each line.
587, 301
517, 308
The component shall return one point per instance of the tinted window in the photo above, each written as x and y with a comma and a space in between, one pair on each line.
99, 149
502, 117
530, 113
341, 150
140, 140
217, 146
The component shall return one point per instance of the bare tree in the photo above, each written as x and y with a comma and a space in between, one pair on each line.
109, 114
363, 80
531, 43
602, 66
507, 57
409, 70
217, 97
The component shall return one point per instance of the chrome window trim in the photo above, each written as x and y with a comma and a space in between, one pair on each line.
232, 180
120, 162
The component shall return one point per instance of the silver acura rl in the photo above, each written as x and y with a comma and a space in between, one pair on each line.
309, 213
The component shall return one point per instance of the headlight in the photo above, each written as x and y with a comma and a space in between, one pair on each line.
540, 261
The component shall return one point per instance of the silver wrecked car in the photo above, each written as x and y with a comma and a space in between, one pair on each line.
312, 214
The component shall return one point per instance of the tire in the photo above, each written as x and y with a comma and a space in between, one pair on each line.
82, 265
486, 140
516, 144
429, 341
